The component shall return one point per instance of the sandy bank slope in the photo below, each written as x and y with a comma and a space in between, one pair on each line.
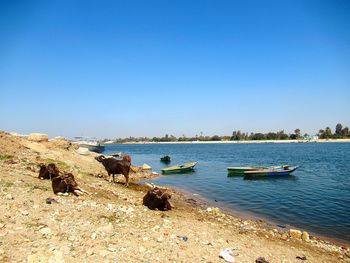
112, 224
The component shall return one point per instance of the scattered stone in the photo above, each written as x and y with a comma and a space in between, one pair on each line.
33, 259
9, 197
57, 257
301, 257
103, 253
142, 249
107, 229
60, 142
2, 225
294, 233
285, 236
305, 236
93, 236
25, 213
227, 255
183, 238
38, 137
246, 229
83, 151
261, 260
89, 252
112, 248
51, 200
45, 232
216, 210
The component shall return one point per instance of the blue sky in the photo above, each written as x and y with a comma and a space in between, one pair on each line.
149, 68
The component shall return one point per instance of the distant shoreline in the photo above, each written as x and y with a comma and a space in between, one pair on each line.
243, 142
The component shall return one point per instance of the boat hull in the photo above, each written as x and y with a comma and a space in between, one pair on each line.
189, 167
234, 171
270, 172
240, 170
93, 148
165, 159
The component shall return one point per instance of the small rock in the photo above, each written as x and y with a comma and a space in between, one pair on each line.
33, 259
305, 236
301, 257
25, 213
261, 260
51, 200
38, 137
89, 252
93, 236
107, 229
216, 210
45, 231
294, 233
112, 249
285, 236
103, 253
57, 257
2, 225
9, 197
160, 240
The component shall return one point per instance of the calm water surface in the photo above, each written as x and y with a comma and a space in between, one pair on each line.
315, 198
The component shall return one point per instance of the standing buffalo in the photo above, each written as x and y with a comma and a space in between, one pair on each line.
114, 166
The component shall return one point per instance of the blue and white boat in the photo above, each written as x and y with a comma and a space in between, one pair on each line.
271, 172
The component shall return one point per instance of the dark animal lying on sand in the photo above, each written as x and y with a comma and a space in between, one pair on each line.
114, 166
62, 184
157, 199
43, 172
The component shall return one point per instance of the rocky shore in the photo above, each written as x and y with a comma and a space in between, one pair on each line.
112, 225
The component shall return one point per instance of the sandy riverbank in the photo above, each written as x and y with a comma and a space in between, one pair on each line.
248, 142
112, 225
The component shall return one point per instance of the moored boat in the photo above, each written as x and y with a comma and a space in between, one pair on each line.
180, 168
236, 170
271, 172
239, 170
165, 159
92, 144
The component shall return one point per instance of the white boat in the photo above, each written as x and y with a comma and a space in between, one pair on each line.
92, 144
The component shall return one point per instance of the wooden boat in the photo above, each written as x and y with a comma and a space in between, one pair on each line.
118, 154
165, 159
180, 168
271, 172
238, 170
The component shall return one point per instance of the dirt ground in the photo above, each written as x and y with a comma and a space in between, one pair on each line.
112, 225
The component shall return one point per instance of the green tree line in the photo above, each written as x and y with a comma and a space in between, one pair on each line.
339, 133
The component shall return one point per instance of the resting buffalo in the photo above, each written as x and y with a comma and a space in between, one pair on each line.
62, 184
43, 172
157, 199
114, 166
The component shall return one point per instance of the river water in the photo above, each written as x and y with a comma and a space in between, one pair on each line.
315, 198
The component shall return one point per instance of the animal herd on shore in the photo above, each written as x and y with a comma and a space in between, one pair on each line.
64, 182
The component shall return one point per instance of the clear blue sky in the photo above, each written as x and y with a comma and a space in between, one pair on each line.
147, 68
